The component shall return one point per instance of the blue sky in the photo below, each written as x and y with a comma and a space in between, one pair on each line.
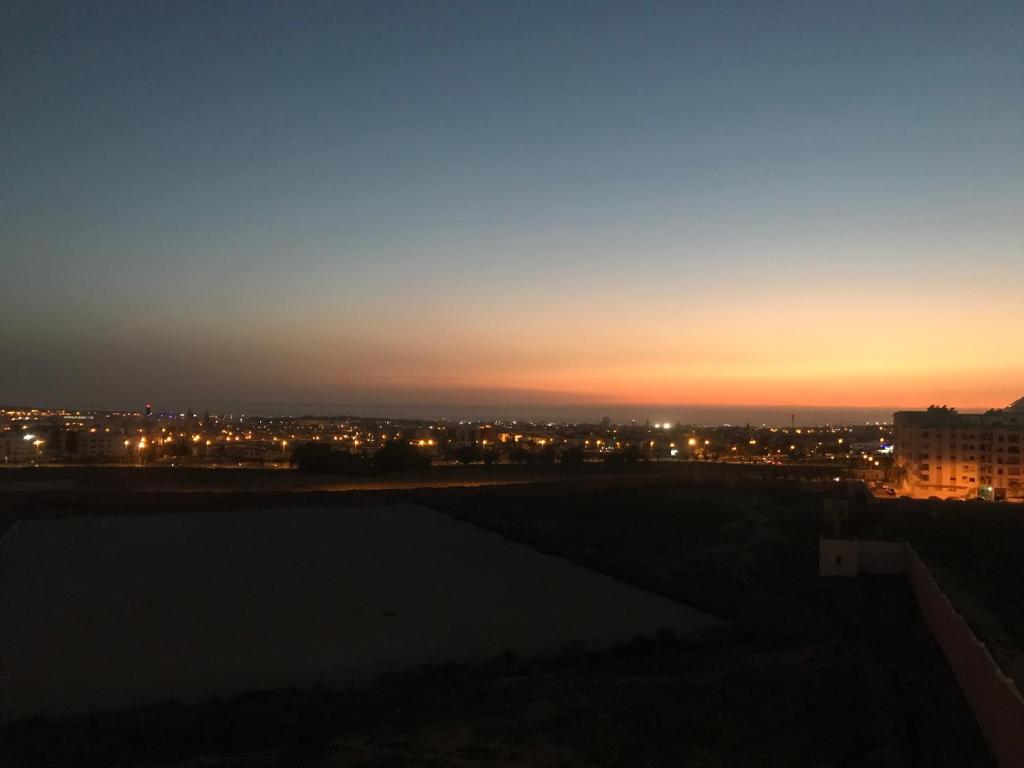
601, 202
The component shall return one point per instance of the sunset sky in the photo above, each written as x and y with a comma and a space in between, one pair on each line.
503, 203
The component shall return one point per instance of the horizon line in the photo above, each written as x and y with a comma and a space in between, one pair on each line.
243, 407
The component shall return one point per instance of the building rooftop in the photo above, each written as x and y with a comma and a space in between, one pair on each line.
940, 415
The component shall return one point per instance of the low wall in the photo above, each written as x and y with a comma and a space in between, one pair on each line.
994, 698
882, 557
850, 557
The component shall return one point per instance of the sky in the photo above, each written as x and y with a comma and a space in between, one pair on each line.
512, 203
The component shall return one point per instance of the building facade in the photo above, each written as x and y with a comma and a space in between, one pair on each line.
101, 446
17, 448
943, 453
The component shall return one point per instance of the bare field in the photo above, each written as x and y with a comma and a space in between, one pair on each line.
809, 671
114, 612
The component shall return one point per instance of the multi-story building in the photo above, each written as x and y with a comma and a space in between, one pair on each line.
943, 453
18, 447
101, 445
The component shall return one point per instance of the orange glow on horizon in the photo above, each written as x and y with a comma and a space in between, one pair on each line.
817, 346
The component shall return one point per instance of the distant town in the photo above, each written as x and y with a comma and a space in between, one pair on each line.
151, 438
936, 452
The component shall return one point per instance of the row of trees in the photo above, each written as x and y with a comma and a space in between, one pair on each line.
398, 456
570, 457
324, 458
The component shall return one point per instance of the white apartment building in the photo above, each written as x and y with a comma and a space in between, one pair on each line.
949, 454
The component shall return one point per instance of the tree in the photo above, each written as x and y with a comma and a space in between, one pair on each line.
71, 443
629, 455
520, 455
312, 457
398, 456
177, 448
147, 454
55, 441
467, 454
320, 457
548, 455
572, 457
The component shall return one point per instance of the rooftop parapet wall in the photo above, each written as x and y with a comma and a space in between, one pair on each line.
993, 696
850, 557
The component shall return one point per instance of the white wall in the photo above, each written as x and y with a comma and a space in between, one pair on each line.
849, 557
838, 557
882, 557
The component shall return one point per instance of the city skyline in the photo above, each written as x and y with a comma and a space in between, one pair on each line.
526, 205
616, 414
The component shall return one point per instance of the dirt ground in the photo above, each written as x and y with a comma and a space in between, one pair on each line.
812, 672
114, 612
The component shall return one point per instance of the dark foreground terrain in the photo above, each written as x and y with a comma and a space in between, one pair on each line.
810, 673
